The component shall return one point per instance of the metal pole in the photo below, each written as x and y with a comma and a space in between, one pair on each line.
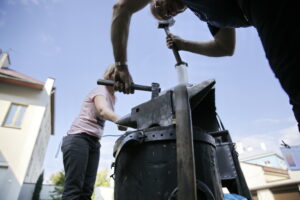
186, 175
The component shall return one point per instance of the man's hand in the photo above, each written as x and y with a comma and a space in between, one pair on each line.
174, 41
123, 80
122, 128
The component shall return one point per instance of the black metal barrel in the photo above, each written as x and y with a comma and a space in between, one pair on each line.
145, 165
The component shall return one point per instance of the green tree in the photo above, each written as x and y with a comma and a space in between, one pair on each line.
102, 178
38, 187
58, 180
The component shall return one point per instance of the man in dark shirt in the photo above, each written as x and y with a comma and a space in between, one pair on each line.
275, 21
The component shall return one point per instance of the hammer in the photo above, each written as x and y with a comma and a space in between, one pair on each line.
154, 88
180, 65
165, 24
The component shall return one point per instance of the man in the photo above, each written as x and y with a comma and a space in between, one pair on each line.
275, 21
222, 45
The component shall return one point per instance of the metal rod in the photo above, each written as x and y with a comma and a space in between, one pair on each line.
134, 86
186, 173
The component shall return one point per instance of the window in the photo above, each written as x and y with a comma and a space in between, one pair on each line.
267, 162
15, 116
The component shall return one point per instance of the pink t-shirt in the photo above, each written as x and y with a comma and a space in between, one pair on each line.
89, 120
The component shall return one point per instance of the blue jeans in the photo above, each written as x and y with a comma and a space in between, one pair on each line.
81, 154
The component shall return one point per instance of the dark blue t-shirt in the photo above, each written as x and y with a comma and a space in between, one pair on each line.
218, 13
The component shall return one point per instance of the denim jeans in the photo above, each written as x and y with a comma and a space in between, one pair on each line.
81, 154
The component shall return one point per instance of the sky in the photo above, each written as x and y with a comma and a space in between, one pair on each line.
69, 40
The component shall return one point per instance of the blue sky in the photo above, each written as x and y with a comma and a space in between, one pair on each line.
69, 40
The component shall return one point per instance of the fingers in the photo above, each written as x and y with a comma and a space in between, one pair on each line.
118, 86
122, 128
170, 41
123, 81
126, 87
121, 87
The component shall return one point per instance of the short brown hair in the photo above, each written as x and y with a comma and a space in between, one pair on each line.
155, 12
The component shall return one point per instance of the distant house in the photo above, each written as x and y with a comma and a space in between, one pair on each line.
266, 174
26, 123
270, 159
268, 183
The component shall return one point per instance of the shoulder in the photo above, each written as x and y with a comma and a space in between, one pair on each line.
100, 90
213, 29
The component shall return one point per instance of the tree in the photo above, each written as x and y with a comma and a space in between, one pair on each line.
38, 187
102, 178
58, 180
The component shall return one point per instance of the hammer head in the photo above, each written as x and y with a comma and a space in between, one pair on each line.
166, 23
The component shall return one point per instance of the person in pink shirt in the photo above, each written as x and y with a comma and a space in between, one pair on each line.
81, 146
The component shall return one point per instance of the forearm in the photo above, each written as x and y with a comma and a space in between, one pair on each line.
108, 114
210, 48
119, 32
122, 12
223, 44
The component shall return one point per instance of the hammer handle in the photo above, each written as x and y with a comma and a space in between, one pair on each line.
134, 86
174, 49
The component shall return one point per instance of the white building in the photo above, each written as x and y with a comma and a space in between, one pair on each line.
268, 183
266, 174
26, 123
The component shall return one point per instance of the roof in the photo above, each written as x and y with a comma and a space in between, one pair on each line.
16, 78
256, 155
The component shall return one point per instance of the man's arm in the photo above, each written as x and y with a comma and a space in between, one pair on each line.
122, 12
222, 45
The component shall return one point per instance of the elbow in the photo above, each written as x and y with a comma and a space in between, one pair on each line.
118, 7
121, 8
102, 113
229, 52
226, 51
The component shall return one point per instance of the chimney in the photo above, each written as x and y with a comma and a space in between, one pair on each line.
239, 147
263, 146
4, 59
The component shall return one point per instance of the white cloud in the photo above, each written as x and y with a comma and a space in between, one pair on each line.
267, 120
11, 2
32, 2
46, 38
272, 121
2, 18
2, 22
274, 139
50, 46
27, 2
290, 135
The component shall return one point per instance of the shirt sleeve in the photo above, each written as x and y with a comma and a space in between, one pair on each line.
213, 29
96, 92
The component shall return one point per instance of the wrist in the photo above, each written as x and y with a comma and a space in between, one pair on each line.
116, 118
121, 65
182, 45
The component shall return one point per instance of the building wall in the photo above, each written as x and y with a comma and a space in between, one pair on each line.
270, 161
37, 159
17, 145
262, 189
254, 175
